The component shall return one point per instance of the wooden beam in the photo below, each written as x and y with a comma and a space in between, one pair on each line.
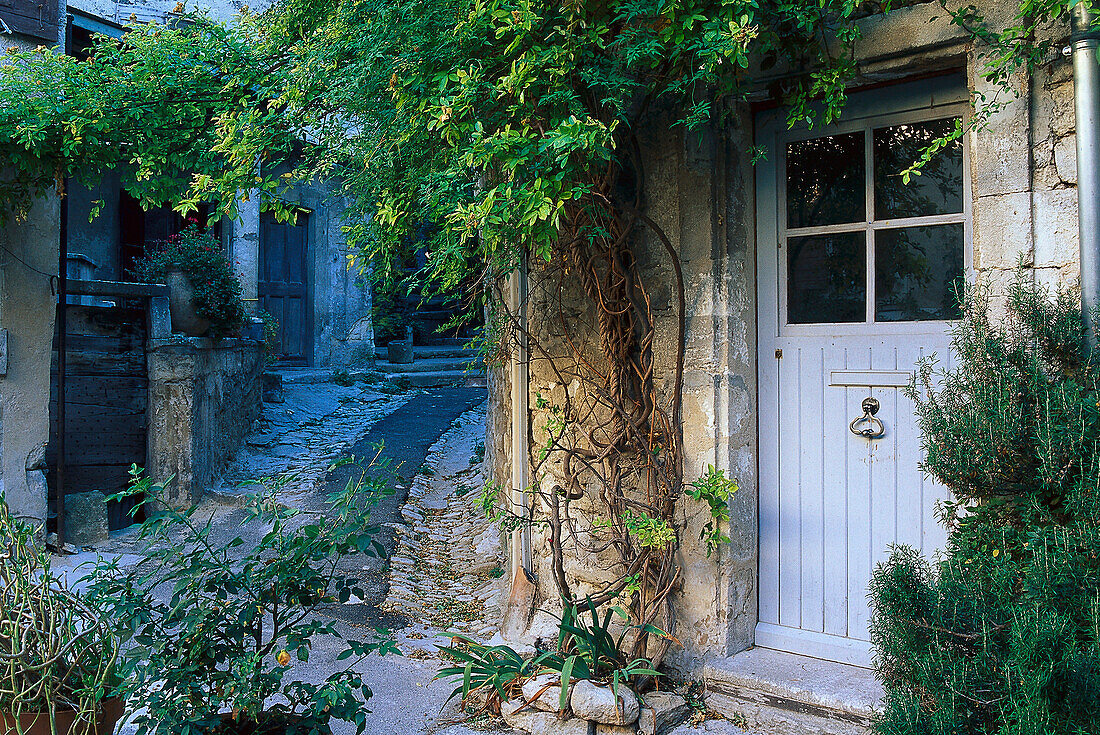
34, 18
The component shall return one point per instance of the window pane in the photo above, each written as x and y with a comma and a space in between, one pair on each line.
825, 181
917, 270
827, 278
938, 189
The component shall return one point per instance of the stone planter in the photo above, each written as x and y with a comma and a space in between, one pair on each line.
181, 304
400, 352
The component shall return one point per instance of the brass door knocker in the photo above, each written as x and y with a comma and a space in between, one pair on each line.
867, 425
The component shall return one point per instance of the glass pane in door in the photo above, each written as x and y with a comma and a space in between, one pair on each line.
917, 272
825, 181
827, 278
937, 189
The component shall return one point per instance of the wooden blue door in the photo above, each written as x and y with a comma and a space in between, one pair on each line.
284, 285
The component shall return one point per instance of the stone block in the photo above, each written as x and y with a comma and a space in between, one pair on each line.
660, 712
590, 701
1056, 228
273, 388
1002, 231
538, 722
544, 692
85, 518
1065, 159
999, 149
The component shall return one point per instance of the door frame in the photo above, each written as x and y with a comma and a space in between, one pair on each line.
907, 101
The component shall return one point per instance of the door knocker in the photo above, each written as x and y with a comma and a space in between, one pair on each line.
867, 425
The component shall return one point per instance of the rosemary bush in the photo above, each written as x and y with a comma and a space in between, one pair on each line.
1002, 633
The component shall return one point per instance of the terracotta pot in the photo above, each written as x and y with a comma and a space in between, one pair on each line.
271, 723
38, 723
181, 304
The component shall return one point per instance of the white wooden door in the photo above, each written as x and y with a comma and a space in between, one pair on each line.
856, 279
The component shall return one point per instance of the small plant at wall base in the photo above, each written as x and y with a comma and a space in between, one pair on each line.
1001, 634
218, 655
586, 648
57, 652
199, 256
272, 343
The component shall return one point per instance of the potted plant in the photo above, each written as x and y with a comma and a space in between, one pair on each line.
205, 295
216, 626
58, 654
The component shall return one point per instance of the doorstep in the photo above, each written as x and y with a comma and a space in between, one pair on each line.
782, 693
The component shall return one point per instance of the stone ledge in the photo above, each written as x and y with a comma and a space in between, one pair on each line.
182, 342
786, 693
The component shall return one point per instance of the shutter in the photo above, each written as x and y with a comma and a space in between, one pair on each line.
35, 18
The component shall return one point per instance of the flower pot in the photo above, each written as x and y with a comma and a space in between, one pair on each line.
38, 723
271, 723
400, 352
181, 304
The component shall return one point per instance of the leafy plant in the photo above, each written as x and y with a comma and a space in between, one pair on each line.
57, 652
1000, 634
214, 625
494, 672
715, 489
584, 650
589, 650
646, 531
199, 255
272, 342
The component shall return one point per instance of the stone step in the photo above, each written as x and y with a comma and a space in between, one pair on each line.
438, 378
429, 352
429, 365
786, 694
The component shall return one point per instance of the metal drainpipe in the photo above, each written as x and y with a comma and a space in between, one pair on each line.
1086, 97
521, 538
62, 309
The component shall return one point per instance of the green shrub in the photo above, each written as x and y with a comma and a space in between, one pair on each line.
1002, 633
216, 628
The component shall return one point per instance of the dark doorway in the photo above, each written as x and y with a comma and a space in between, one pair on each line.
140, 229
106, 404
284, 284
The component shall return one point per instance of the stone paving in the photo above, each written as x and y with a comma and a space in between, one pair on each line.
447, 569
297, 441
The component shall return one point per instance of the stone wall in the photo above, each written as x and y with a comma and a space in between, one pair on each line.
29, 246
28, 257
204, 397
700, 190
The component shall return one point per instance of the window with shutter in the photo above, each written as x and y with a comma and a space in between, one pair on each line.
35, 18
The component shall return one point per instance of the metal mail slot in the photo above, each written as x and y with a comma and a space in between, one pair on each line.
871, 378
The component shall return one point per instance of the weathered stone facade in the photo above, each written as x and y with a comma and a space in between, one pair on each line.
28, 257
204, 397
700, 188
339, 332
29, 247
